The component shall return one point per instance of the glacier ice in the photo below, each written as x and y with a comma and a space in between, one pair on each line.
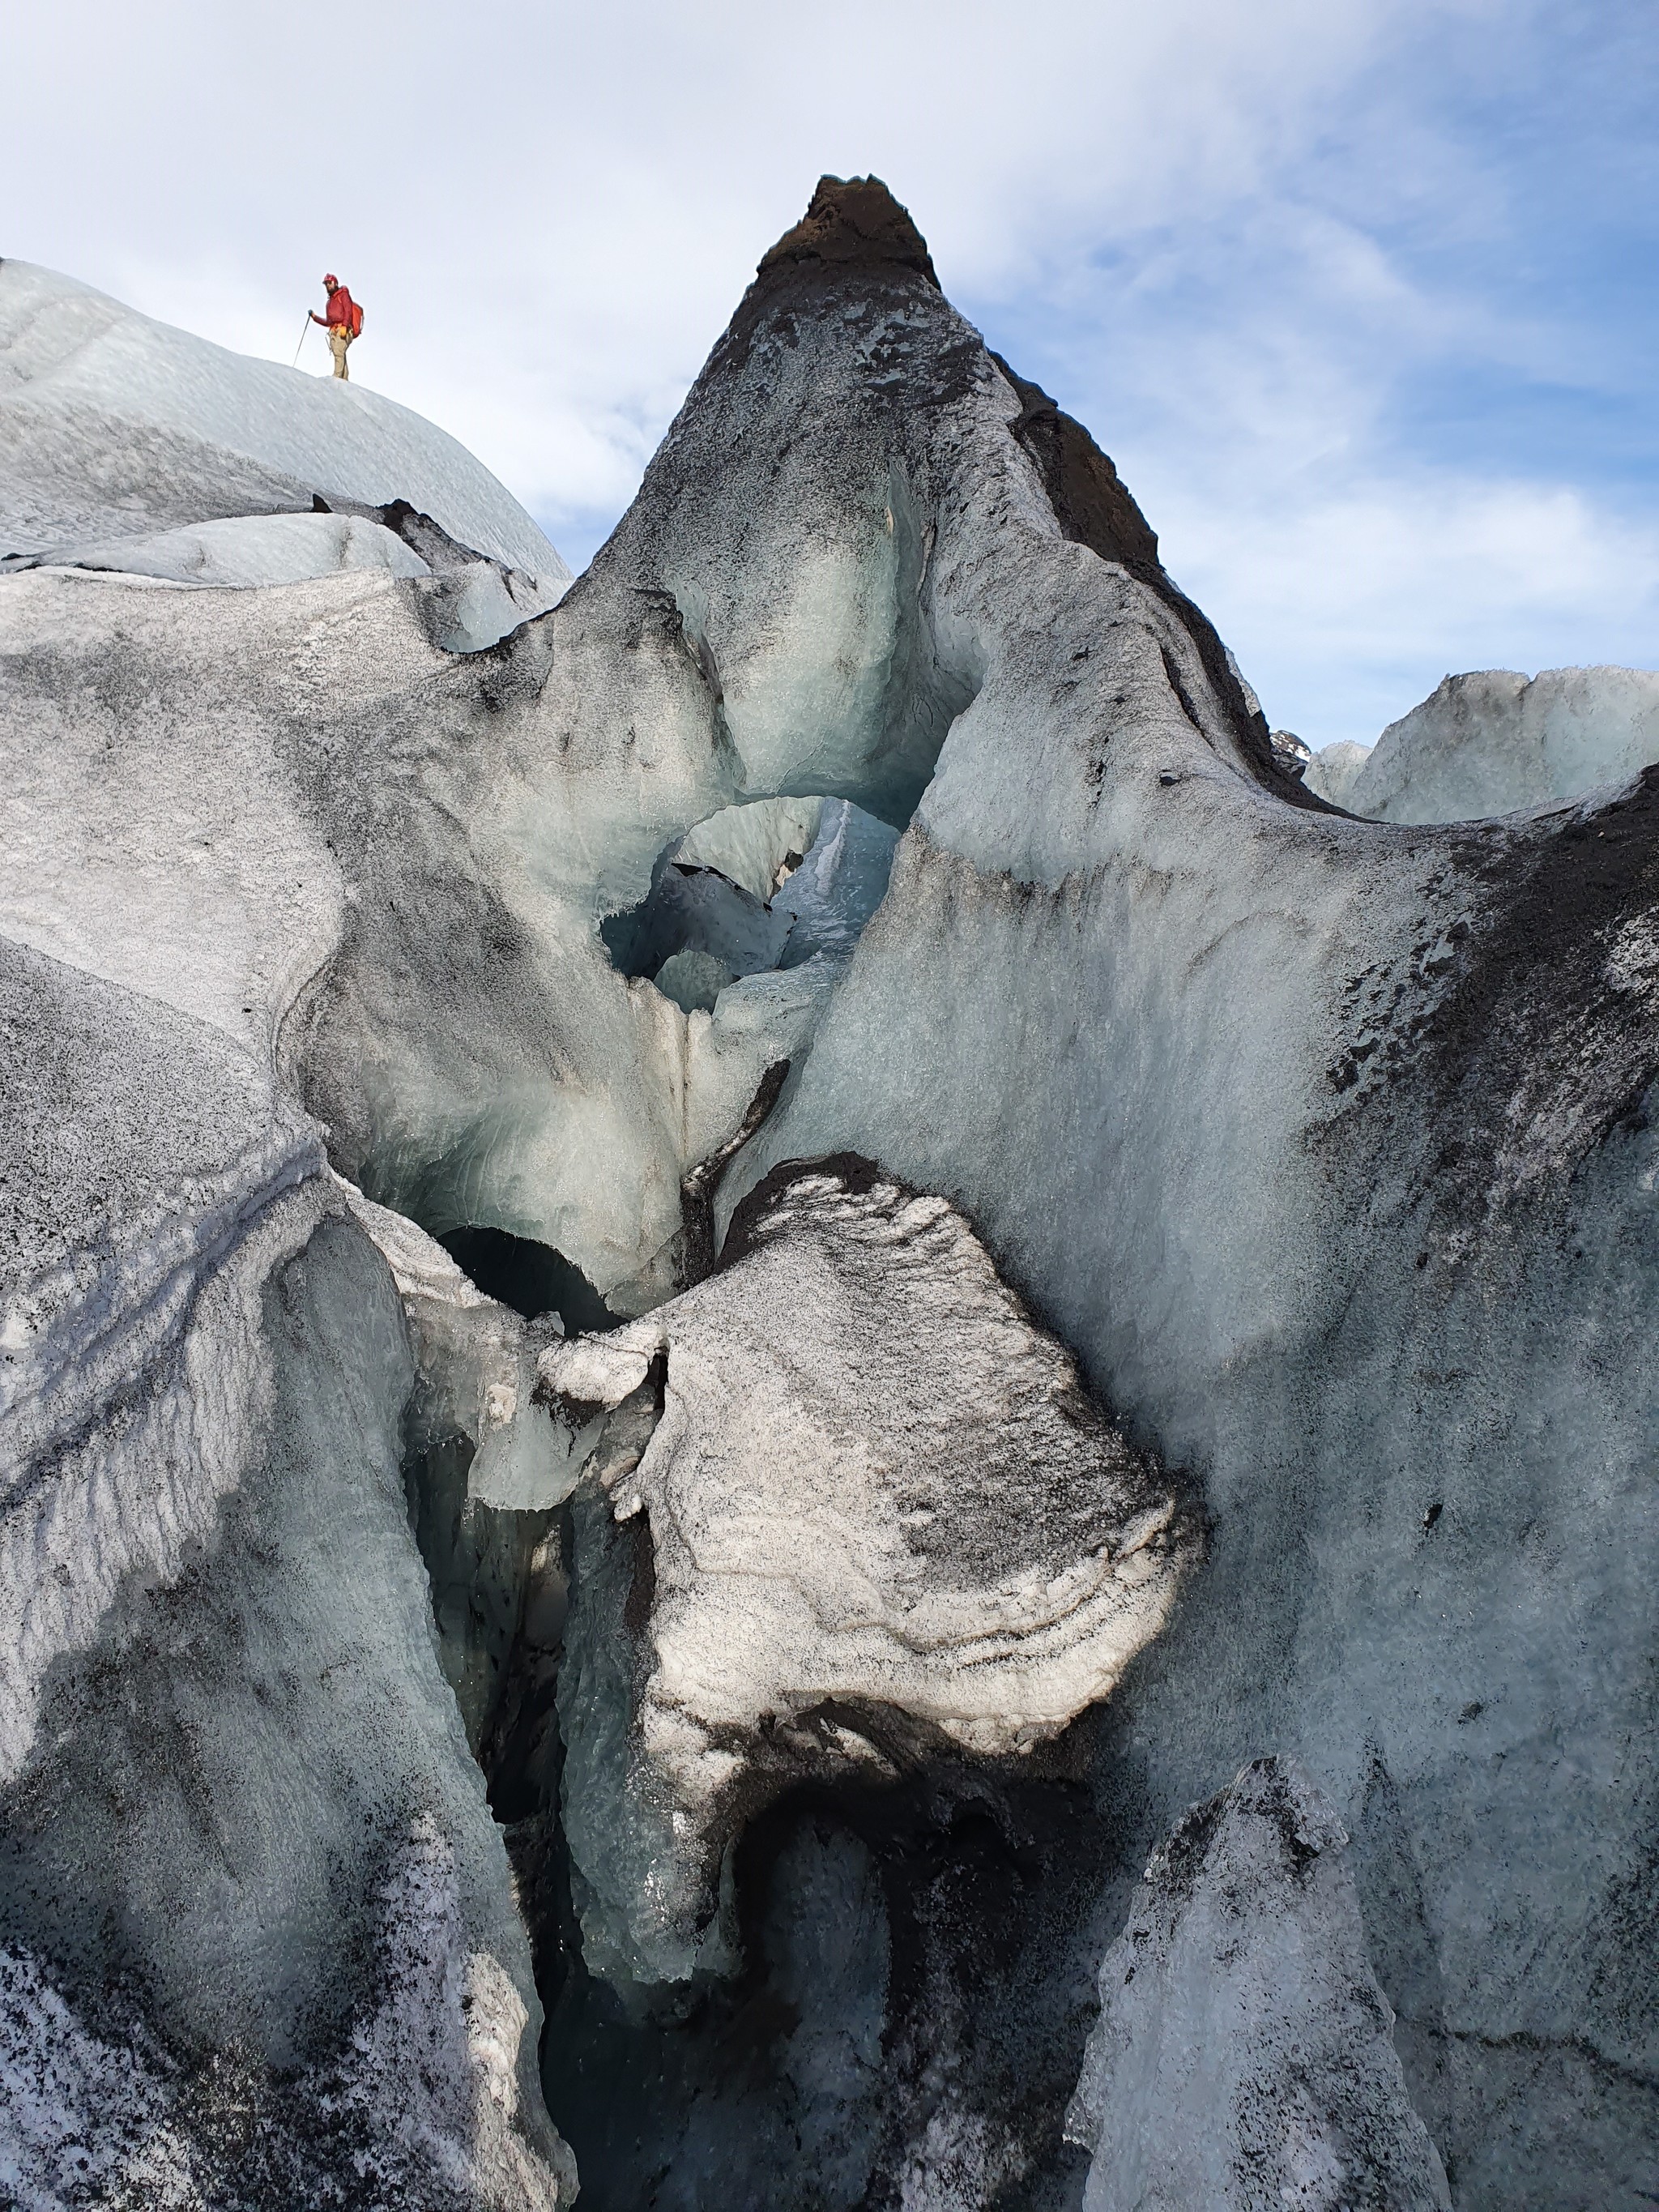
1332, 771
821, 869
755, 846
221, 1701
1062, 1015
1493, 742
246, 551
1243, 2056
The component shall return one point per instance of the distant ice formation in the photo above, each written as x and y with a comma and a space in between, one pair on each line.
1495, 742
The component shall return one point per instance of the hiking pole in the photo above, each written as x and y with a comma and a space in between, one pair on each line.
303, 335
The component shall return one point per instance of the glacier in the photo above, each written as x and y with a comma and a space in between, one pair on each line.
759, 1313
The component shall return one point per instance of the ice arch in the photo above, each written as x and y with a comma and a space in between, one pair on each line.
752, 890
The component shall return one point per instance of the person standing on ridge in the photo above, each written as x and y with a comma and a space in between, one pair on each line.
343, 322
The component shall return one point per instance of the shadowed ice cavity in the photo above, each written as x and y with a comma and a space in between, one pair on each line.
753, 889
531, 1279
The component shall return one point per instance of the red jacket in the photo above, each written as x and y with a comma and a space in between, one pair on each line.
342, 313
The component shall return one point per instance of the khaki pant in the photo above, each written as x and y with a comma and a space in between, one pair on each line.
338, 340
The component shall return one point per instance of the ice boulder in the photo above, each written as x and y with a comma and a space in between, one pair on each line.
850, 1497
1242, 2057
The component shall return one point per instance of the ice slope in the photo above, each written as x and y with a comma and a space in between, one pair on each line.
113, 425
876, 1510
1242, 2054
256, 1926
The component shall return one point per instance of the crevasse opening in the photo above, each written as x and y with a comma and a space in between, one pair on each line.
754, 890
531, 1278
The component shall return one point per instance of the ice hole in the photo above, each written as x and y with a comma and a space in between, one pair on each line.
753, 888
530, 1278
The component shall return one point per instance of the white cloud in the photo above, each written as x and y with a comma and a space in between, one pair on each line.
1355, 606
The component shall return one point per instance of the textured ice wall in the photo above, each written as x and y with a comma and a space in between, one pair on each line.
114, 425
1273, 1115
227, 1748
1324, 1141
153, 1184
416, 2108
1242, 2055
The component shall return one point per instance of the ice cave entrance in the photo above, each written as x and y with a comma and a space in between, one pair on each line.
755, 888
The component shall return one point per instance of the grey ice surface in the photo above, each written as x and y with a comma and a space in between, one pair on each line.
1494, 742
1332, 771
1243, 2055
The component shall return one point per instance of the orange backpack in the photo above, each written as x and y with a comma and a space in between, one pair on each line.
357, 321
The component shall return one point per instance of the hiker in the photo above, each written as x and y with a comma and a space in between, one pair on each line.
343, 322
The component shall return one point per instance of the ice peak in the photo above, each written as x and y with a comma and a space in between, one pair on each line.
853, 220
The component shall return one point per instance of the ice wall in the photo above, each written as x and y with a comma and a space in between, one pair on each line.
1494, 742
256, 1926
1270, 1113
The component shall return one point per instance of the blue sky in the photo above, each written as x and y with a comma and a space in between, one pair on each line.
1360, 297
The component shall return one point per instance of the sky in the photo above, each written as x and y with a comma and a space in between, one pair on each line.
1359, 294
